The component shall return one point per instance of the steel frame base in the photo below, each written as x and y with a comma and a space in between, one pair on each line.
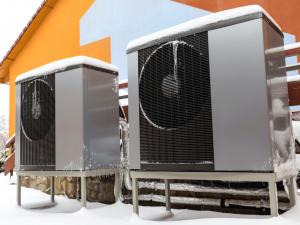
82, 174
271, 178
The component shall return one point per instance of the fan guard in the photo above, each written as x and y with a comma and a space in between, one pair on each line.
37, 110
167, 83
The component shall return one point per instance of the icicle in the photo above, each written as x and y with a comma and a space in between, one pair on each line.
175, 49
36, 106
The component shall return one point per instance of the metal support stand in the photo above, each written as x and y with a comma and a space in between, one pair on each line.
273, 198
117, 186
83, 191
135, 196
168, 197
19, 190
271, 178
292, 190
81, 174
52, 189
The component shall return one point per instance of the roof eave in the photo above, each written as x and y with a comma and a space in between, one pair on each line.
24, 37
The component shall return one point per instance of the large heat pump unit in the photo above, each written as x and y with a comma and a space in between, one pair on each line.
67, 116
210, 95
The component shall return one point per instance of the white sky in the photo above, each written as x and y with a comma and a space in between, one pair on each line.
14, 15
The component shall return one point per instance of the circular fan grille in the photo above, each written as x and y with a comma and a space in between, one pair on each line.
169, 84
37, 110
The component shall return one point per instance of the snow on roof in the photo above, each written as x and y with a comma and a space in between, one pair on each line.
23, 38
225, 17
62, 64
293, 78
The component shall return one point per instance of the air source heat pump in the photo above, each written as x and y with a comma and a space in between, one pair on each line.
67, 116
208, 95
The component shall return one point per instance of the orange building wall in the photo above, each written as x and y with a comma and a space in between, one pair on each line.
285, 12
56, 38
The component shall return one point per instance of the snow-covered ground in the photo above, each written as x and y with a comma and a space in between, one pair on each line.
37, 210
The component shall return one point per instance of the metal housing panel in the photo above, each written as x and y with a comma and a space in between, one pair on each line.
133, 102
239, 98
101, 119
69, 120
18, 128
280, 125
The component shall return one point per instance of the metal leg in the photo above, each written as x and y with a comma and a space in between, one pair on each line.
52, 189
83, 191
273, 198
19, 190
167, 193
292, 190
135, 196
117, 186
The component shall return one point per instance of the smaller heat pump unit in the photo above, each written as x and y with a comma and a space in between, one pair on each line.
67, 116
208, 95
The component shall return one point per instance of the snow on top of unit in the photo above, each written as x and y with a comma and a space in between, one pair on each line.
293, 78
214, 18
62, 64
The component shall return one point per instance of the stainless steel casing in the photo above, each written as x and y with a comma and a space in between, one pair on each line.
251, 124
87, 110
18, 128
133, 110
244, 98
86, 119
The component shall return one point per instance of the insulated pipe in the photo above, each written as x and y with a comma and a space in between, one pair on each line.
210, 201
292, 67
125, 177
203, 189
286, 50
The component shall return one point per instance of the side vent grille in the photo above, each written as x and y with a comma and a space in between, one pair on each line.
38, 123
175, 103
